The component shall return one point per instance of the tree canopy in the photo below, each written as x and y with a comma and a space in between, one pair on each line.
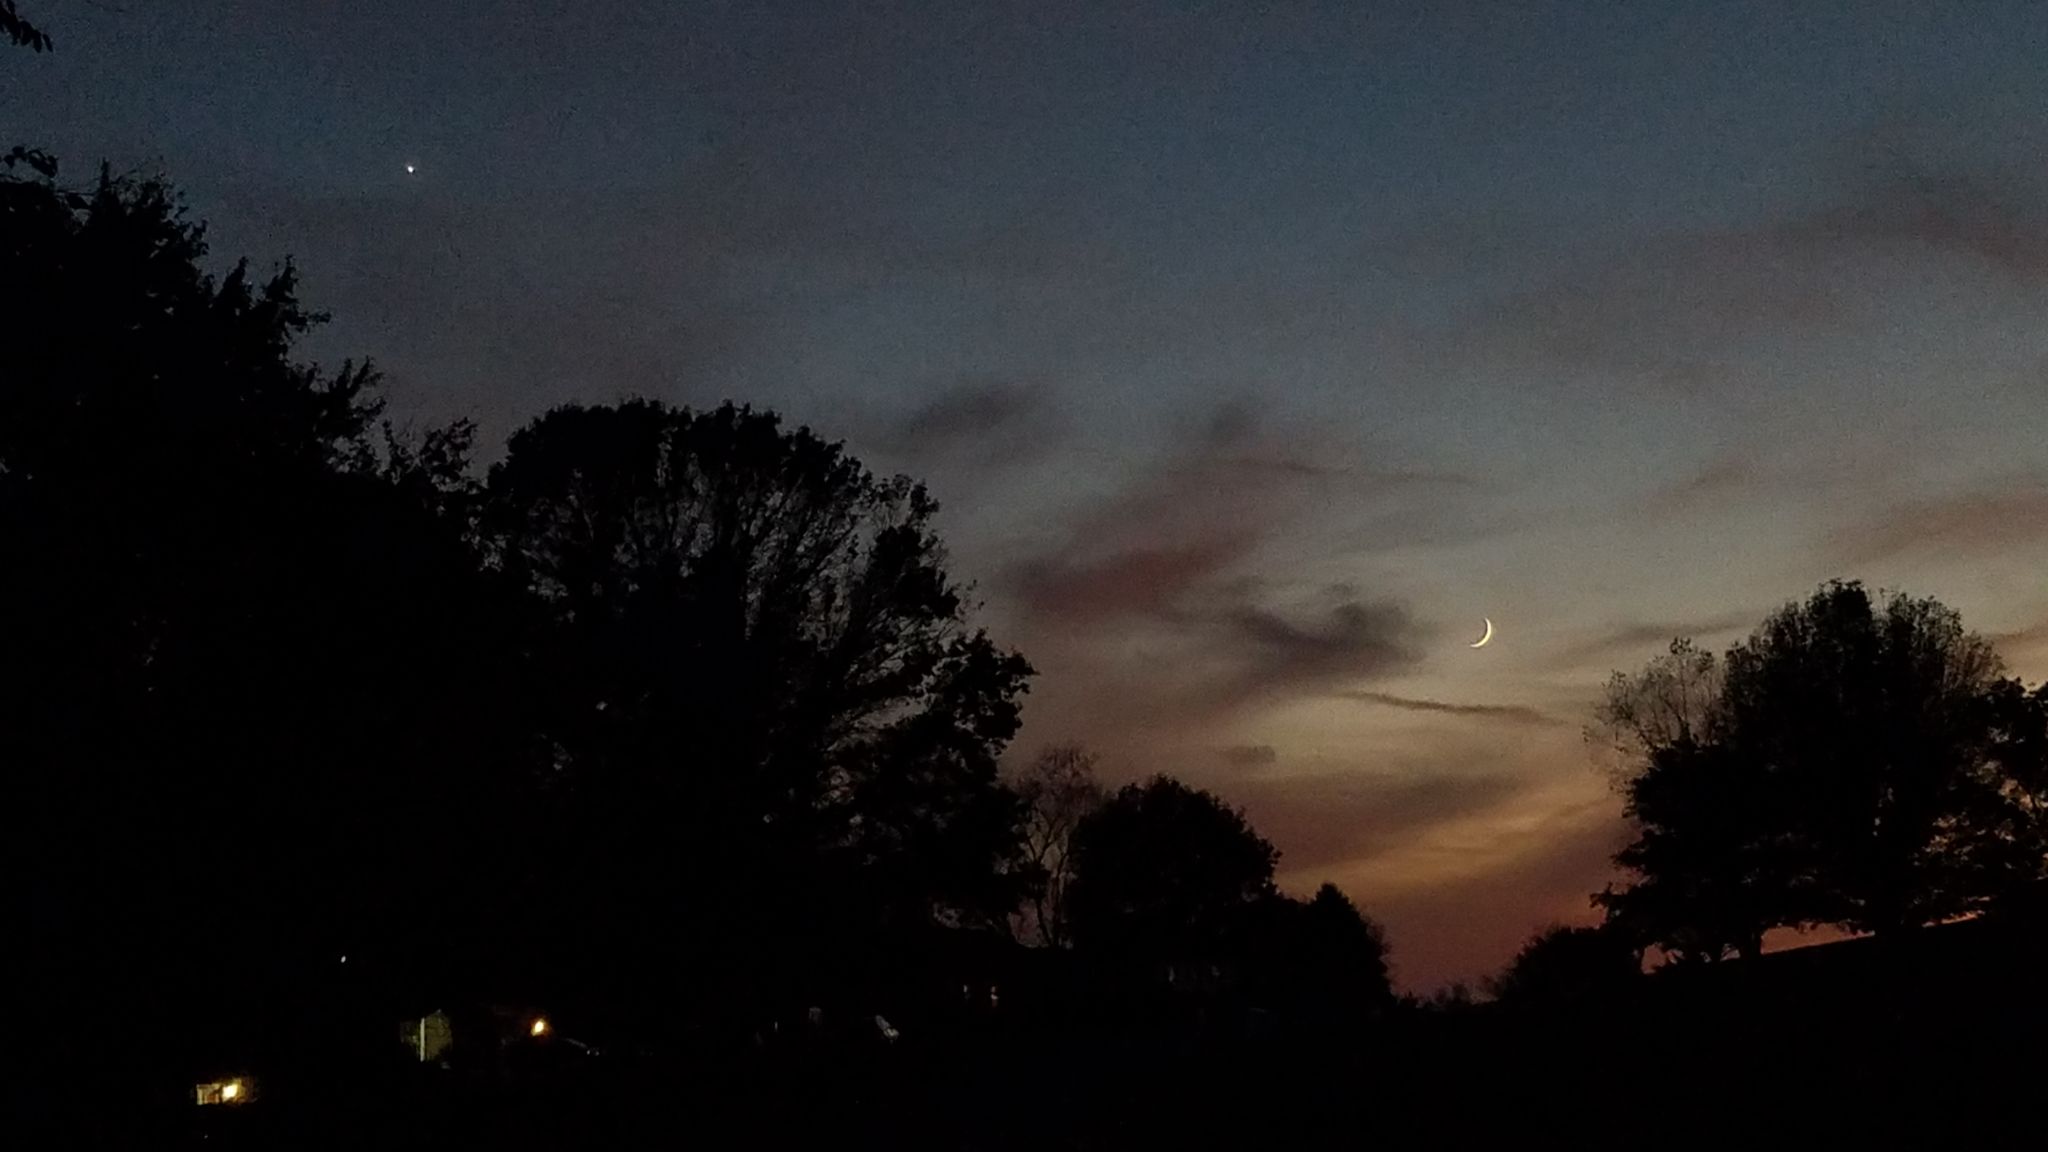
282, 685
1321, 963
248, 659
1857, 760
1171, 884
676, 712
756, 668
1165, 874
1564, 963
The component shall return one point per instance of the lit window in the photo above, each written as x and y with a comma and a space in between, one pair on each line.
237, 1090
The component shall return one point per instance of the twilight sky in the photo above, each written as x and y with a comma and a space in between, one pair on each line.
1256, 350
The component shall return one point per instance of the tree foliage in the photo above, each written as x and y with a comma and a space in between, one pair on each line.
1711, 879
1565, 963
1321, 963
675, 715
16, 28
1871, 714
1170, 882
1856, 761
757, 668
245, 665
283, 685
1165, 874
1672, 701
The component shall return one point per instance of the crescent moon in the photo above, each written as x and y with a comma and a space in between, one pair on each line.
1489, 634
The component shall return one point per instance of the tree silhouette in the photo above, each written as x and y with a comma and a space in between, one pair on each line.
1866, 719
1672, 701
1563, 963
245, 664
1320, 962
17, 28
1058, 789
774, 733
1166, 879
1703, 892
1841, 765
2014, 857
1707, 854
2019, 725
1453, 999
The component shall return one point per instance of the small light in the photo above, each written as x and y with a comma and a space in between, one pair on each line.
410, 169
231, 1090
344, 958
540, 1026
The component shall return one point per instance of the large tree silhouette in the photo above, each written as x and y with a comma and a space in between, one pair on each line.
1705, 886
1710, 856
1866, 718
774, 731
1846, 766
245, 655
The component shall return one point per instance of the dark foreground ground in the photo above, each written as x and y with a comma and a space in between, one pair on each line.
1935, 1041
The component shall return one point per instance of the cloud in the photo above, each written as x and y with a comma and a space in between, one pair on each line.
1250, 755
1688, 310
1220, 494
1146, 610
1740, 478
1144, 580
1644, 639
2029, 636
1352, 640
1962, 524
1198, 662
1468, 928
999, 421
1998, 217
1461, 847
1717, 483
1667, 311
2025, 650
1513, 713
1353, 816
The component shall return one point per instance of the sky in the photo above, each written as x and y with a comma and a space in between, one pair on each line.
1257, 352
